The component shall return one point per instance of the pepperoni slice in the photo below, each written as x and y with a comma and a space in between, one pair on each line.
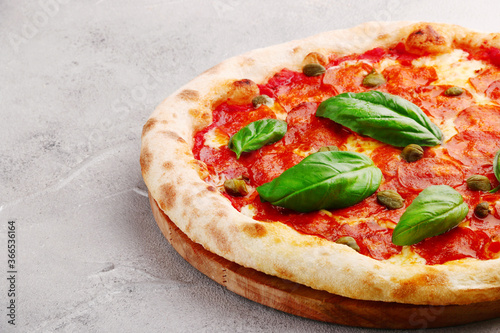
223, 161
292, 88
269, 165
302, 114
308, 132
493, 90
373, 240
479, 117
455, 244
347, 78
485, 79
474, 149
429, 171
386, 158
231, 118
441, 107
403, 80
490, 225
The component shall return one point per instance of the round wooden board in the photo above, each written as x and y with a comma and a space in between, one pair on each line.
319, 305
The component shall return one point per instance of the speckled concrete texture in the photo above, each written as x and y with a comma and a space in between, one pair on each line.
78, 79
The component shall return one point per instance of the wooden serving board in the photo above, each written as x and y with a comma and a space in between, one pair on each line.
319, 305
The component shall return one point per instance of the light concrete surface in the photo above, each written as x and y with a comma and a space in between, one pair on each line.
78, 79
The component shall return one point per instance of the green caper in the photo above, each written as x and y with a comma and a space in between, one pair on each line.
454, 91
328, 148
482, 209
257, 101
390, 199
236, 187
349, 241
374, 79
412, 153
313, 69
478, 183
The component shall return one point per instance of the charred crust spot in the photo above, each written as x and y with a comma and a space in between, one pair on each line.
383, 36
255, 230
149, 125
189, 226
242, 92
187, 200
145, 159
283, 272
201, 168
408, 287
168, 165
245, 83
426, 40
220, 238
203, 118
189, 95
168, 196
173, 136
211, 188
315, 58
195, 113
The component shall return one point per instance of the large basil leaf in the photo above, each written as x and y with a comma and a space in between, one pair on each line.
324, 180
384, 117
434, 211
256, 135
496, 170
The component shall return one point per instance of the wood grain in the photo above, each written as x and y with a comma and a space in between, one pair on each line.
319, 305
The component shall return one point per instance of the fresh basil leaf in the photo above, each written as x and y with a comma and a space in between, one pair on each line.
257, 134
324, 180
496, 170
384, 117
434, 211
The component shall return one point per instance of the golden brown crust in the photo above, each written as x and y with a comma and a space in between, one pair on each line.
175, 180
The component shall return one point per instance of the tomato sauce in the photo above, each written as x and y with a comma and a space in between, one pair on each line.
469, 152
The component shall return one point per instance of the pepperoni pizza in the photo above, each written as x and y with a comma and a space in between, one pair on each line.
363, 162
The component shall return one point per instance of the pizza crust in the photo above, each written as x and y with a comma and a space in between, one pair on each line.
175, 180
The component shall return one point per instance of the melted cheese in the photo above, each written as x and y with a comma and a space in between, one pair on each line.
215, 138
455, 69
279, 111
361, 145
302, 152
452, 68
407, 256
248, 210
387, 62
448, 129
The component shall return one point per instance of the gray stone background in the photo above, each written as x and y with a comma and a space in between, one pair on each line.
78, 79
